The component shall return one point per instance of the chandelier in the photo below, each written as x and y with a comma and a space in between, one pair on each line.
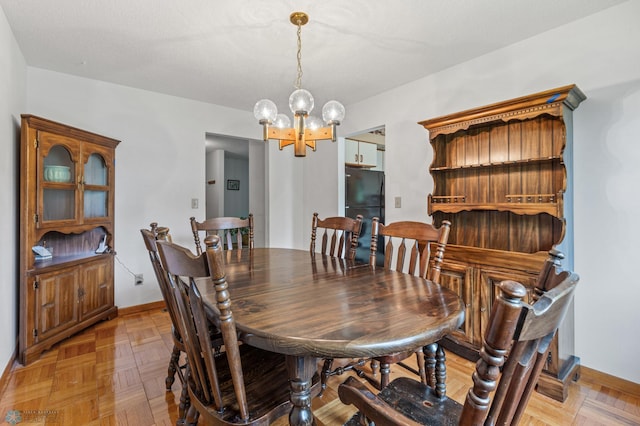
307, 128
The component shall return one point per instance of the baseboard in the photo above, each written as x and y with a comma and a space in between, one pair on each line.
622, 385
4, 380
465, 351
141, 308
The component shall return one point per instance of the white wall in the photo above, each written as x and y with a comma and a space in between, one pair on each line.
600, 54
323, 174
258, 188
160, 163
284, 204
13, 89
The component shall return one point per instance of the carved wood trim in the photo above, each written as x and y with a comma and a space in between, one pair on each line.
548, 102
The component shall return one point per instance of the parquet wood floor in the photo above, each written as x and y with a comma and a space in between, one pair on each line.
113, 374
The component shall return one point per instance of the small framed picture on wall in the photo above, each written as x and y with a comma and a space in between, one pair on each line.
233, 185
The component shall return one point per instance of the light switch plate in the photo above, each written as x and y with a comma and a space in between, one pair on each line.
398, 202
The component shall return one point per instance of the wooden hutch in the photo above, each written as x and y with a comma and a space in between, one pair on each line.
502, 176
67, 208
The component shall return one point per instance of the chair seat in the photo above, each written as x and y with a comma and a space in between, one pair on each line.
414, 400
266, 384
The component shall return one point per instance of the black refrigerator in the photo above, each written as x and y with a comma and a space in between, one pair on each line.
364, 193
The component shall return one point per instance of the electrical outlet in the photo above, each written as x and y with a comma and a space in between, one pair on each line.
398, 201
139, 279
194, 203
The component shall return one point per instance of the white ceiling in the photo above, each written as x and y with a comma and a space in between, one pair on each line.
234, 52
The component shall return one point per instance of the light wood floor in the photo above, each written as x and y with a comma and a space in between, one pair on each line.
113, 374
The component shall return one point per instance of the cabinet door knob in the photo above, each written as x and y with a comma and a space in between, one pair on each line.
356, 158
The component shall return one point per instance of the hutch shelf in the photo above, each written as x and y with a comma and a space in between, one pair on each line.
502, 176
67, 204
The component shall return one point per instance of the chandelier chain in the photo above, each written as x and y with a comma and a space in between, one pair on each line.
298, 83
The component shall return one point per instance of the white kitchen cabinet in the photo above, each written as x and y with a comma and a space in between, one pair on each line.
360, 154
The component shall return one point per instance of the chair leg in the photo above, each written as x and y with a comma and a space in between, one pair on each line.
441, 373
385, 371
324, 374
328, 371
430, 364
421, 365
375, 367
192, 416
173, 368
185, 402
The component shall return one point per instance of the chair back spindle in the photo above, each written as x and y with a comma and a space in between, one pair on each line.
416, 240
340, 236
228, 228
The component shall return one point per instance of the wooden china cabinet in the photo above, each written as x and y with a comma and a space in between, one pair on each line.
66, 207
502, 176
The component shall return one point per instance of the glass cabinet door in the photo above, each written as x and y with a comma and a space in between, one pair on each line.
57, 177
96, 190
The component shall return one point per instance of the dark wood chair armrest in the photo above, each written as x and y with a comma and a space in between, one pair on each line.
374, 408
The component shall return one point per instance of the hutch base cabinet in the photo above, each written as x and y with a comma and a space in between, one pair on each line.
474, 274
67, 233
502, 176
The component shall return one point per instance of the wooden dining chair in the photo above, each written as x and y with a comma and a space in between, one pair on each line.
414, 248
228, 228
425, 260
149, 237
523, 331
339, 240
425, 243
243, 385
343, 233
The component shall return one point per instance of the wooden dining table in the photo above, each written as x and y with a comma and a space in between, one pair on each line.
309, 306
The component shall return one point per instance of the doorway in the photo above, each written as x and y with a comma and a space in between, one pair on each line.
365, 185
235, 176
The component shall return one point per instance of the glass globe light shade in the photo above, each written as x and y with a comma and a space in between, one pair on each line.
301, 101
282, 121
333, 111
312, 122
265, 110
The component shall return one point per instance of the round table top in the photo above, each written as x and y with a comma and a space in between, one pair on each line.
297, 303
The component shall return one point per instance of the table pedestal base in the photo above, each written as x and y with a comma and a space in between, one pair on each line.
301, 371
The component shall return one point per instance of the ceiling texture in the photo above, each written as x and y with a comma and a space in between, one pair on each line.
235, 52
